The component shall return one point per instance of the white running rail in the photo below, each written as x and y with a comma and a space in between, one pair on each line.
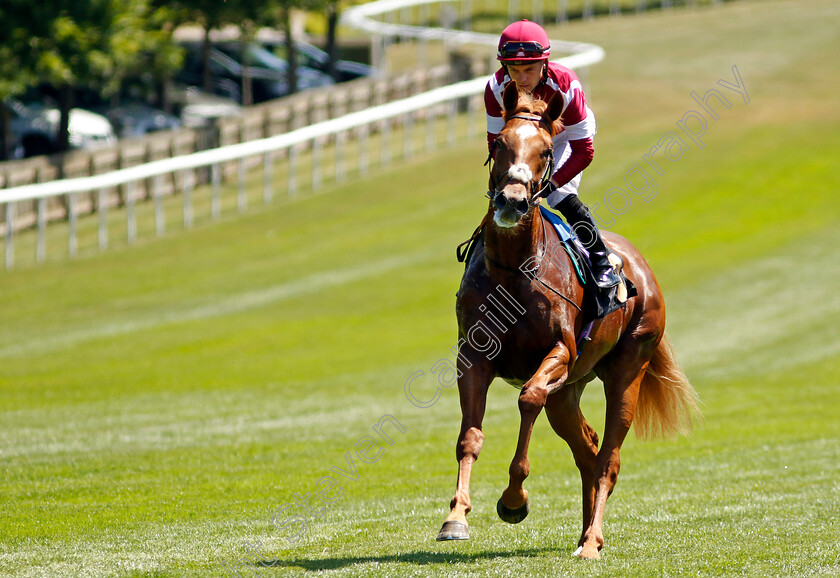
580, 55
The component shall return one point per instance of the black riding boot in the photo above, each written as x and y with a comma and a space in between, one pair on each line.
580, 219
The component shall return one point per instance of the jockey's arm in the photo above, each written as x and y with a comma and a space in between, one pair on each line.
495, 122
582, 154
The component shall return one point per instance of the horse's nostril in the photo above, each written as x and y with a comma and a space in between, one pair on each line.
522, 206
500, 201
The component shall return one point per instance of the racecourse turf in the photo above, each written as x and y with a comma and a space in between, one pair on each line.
162, 403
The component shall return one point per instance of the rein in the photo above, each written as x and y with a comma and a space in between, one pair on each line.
531, 274
538, 188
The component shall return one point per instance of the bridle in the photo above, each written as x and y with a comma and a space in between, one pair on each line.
538, 187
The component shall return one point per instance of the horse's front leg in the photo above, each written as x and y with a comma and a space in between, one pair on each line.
512, 507
475, 377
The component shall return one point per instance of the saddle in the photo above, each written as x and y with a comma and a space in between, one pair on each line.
598, 303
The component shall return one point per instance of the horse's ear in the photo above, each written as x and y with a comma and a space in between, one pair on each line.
510, 98
555, 107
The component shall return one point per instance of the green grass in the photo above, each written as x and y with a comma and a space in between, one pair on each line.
159, 402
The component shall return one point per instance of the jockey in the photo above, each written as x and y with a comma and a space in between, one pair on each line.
524, 48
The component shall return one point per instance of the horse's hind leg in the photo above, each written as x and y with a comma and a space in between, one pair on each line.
564, 415
512, 507
622, 393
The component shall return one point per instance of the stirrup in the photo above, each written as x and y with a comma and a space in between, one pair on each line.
608, 280
604, 274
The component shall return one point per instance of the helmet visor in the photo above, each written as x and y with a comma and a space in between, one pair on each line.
519, 50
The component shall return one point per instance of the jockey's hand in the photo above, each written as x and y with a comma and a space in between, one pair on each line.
543, 193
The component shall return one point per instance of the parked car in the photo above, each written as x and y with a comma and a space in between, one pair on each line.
269, 74
137, 119
35, 127
198, 108
311, 56
258, 57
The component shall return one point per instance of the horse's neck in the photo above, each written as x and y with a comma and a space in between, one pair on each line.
513, 248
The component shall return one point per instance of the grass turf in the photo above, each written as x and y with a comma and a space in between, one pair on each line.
160, 402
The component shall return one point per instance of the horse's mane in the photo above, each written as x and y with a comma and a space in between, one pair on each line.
528, 104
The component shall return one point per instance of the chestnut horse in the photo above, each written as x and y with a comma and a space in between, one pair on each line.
513, 327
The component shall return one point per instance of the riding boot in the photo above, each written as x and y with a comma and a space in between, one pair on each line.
578, 216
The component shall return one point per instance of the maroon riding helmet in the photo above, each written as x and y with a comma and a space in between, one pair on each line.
523, 42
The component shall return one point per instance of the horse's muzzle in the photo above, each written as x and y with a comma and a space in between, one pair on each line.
510, 208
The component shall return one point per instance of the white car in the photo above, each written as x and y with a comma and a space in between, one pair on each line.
36, 128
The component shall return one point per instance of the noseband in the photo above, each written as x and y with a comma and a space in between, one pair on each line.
538, 188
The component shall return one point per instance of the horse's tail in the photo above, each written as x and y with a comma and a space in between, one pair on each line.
667, 405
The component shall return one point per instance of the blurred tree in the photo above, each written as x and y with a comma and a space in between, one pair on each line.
282, 11
157, 57
17, 63
73, 43
332, 12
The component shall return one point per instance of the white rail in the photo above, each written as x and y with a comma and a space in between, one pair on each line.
581, 55
244, 150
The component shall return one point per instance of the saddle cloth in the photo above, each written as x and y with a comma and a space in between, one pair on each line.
597, 303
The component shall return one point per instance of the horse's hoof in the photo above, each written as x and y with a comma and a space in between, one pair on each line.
453, 530
587, 554
512, 515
